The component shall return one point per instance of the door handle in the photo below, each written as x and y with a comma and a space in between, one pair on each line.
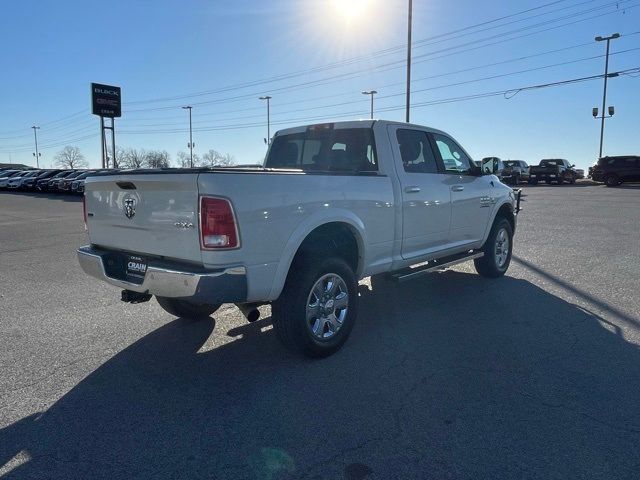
412, 189
457, 188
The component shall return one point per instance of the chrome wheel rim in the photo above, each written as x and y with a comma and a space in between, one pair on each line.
502, 248
327, 306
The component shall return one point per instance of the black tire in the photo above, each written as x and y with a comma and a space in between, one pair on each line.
533, 181
488, 265
185, 309
289, 312
612, 181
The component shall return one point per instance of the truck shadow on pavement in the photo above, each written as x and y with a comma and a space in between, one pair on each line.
448, 376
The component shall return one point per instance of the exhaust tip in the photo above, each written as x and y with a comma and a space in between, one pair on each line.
250, 311
253, 315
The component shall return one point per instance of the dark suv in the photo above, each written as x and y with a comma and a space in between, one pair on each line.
615, 170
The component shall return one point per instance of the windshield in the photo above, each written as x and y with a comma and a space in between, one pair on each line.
324, 149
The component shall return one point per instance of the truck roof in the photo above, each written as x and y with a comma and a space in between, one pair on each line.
356, 124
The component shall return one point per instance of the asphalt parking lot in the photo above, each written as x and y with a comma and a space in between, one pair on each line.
450, 376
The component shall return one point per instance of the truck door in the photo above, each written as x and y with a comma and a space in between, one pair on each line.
472, 198
426, 197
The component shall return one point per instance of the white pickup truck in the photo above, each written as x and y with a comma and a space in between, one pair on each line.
333, 203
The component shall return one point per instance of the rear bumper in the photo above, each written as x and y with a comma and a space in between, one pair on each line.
174, 280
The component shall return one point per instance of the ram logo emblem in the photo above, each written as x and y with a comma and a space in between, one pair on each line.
129, 207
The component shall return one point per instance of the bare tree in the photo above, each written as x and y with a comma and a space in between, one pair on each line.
184, 159
70, 157
213, 158
132, 158
157, 159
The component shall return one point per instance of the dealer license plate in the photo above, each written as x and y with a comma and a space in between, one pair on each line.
136, 266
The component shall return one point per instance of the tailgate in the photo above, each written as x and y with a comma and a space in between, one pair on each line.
151, 213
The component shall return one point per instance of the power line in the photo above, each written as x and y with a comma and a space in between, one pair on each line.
325, 81
437, 87
374, 55
422, 42
380, 68
511, 92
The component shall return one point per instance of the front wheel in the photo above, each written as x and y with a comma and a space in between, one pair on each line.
317, 308
185, 309
612, 181
497, 250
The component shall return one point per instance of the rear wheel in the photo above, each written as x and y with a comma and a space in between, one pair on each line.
185, 309
612, 181
318, 306
497, 250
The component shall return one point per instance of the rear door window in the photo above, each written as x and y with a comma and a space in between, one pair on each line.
327, 149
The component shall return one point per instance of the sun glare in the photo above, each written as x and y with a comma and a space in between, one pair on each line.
351, 9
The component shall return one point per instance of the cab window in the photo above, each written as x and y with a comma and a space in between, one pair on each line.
453, 157
415, 151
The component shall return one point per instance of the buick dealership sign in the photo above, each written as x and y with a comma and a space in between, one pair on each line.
105, 100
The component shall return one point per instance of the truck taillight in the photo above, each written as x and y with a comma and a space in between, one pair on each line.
84, 210
218, 229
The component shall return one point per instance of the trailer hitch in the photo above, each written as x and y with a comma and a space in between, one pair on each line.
129, 296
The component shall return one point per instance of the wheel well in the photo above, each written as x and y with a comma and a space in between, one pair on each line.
335, 238
506, 211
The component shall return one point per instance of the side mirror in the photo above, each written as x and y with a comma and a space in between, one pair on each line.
491, 166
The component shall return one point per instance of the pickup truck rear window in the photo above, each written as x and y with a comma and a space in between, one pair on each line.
341, 150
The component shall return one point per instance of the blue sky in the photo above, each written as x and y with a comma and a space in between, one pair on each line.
216, 56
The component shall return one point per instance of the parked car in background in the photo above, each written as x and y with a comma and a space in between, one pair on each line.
579, 174
64, 184
515, 171
7, 174
43, 183
4, 181
52, 184
616, 170
552, 170
77, 185
16, 182
30, 183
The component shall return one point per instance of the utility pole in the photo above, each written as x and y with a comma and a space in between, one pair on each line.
604, 93
408, 106
372, 93
268, 99
189, 107
37, 154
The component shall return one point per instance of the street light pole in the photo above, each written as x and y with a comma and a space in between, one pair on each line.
606, 76
189, 107
268, 99
372, 93
35, 136
408, 106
